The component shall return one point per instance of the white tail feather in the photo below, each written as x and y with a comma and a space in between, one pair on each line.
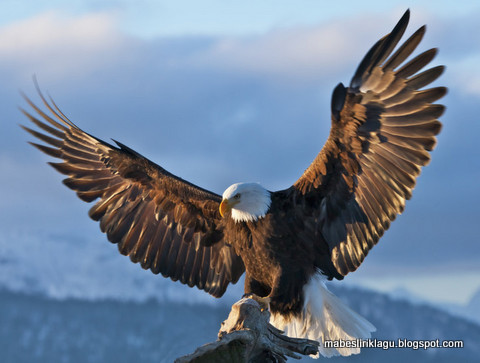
325, 317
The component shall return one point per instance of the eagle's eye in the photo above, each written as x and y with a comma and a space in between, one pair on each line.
236, 196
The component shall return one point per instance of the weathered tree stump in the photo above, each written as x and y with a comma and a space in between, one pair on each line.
248, 337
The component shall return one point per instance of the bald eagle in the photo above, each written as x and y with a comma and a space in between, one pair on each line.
287, 242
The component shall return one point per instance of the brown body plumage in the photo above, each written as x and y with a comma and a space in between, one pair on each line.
383, 127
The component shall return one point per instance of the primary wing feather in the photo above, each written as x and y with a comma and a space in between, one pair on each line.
383, 126
166, 224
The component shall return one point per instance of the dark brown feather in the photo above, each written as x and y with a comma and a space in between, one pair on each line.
156, 218
379, 139
405, 49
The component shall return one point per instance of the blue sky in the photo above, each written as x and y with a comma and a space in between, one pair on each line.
221, 91
150, 18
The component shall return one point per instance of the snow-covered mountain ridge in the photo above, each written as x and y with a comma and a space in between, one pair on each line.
76, 300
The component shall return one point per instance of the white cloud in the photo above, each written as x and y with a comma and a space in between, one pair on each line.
54, 43
300, 53
464, 76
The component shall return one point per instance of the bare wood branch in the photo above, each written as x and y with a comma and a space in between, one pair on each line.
248, 337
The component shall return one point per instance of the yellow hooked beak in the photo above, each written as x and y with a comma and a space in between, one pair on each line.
226, 205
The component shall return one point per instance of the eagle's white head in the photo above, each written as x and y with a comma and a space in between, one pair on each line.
246, 201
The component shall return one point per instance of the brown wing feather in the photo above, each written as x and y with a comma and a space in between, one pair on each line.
166, 224
383, 126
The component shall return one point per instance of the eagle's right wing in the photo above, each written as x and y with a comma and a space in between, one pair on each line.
383, 127
169, 225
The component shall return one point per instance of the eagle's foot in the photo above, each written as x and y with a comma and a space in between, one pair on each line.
263, 301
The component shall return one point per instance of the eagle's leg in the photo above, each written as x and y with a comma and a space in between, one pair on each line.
257, 291
286, 296
263, 301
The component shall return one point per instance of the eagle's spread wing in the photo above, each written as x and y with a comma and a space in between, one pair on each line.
170, 226
383, 126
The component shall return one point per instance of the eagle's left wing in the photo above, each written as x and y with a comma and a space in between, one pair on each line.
167, 224
383, 126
